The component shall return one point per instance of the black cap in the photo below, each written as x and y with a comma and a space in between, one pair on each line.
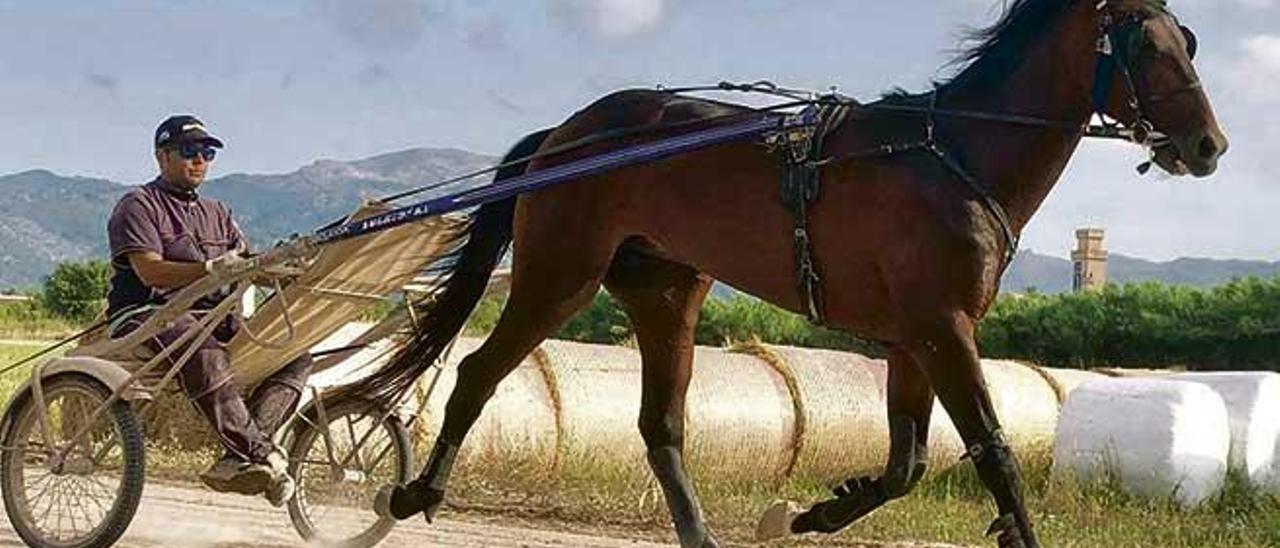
184, 128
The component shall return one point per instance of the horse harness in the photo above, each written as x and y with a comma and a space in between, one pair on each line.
801, 150
800, 145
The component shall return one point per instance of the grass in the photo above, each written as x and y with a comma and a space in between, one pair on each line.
950, 507
26, 320
10, 354
581, 491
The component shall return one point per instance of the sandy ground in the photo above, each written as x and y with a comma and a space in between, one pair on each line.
184, 516
177, 516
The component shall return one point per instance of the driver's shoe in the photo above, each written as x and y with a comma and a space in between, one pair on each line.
231, 474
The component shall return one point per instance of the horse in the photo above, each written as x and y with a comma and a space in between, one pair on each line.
907, 246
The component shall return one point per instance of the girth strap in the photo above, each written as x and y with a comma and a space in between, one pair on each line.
801, 151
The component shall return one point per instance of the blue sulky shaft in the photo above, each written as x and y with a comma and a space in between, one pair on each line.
500, 190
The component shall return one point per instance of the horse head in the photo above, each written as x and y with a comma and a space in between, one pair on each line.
1148, 81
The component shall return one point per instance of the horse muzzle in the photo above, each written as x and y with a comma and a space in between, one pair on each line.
1195, 152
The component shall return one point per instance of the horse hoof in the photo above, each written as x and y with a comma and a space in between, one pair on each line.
404, 501
776, 521
1008, 534
382, 501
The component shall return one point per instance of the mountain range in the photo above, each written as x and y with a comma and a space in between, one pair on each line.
47, 218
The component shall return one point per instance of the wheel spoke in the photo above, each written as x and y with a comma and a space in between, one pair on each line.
71, 506
356, 443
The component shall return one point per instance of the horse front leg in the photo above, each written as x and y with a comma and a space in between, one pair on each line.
944, 347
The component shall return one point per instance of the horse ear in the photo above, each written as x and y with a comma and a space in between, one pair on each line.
1193, 43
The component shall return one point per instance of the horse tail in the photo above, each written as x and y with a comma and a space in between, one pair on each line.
463, 276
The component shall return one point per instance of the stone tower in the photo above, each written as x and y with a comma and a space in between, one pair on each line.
1089, 259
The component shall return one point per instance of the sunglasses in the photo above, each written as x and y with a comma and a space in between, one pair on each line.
189, 151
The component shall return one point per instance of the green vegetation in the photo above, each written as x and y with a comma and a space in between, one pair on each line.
30, 320
950, 507
77, 291
1233, 326
73, 295
1149, 325
10, 354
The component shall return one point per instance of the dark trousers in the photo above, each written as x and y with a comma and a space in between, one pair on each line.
245, 427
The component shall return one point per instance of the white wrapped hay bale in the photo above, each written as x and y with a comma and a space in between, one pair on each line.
1067, 380
1253, 408
1157, 437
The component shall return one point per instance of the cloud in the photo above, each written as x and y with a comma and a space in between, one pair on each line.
488, 35
102, 81
373, 75
1217, 4
610, 19
380, 25
1247, 102
1260, 63
506, 104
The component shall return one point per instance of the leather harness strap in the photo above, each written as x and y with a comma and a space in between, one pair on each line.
801, 151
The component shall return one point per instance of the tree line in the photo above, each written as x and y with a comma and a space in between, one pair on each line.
1140, 325
1151, 324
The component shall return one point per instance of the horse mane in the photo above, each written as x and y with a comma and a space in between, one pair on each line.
1001, 47
998, 49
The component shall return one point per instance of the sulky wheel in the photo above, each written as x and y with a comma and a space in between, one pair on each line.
339, 475
62, 492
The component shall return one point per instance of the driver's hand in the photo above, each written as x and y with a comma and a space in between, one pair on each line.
230, 265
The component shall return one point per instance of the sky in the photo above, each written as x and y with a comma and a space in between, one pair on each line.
83, 84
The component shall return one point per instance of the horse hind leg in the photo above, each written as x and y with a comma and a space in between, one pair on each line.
663, 299
910, 403
553, 278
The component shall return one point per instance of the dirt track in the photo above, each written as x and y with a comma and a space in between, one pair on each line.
173, 517
183, 516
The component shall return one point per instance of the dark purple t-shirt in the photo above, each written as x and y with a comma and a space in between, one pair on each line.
177, 224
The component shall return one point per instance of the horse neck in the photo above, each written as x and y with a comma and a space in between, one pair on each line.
1020, 164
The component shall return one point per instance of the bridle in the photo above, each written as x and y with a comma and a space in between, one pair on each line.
1119, 39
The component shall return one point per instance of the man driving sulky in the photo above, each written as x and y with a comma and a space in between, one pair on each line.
163, 236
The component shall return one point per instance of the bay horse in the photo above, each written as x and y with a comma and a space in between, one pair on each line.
909, 254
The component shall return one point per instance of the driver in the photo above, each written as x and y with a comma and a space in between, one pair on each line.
163, 236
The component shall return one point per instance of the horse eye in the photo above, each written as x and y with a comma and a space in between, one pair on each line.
1193, 43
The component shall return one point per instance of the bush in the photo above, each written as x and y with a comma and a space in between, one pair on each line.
77, 290
1234, 326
